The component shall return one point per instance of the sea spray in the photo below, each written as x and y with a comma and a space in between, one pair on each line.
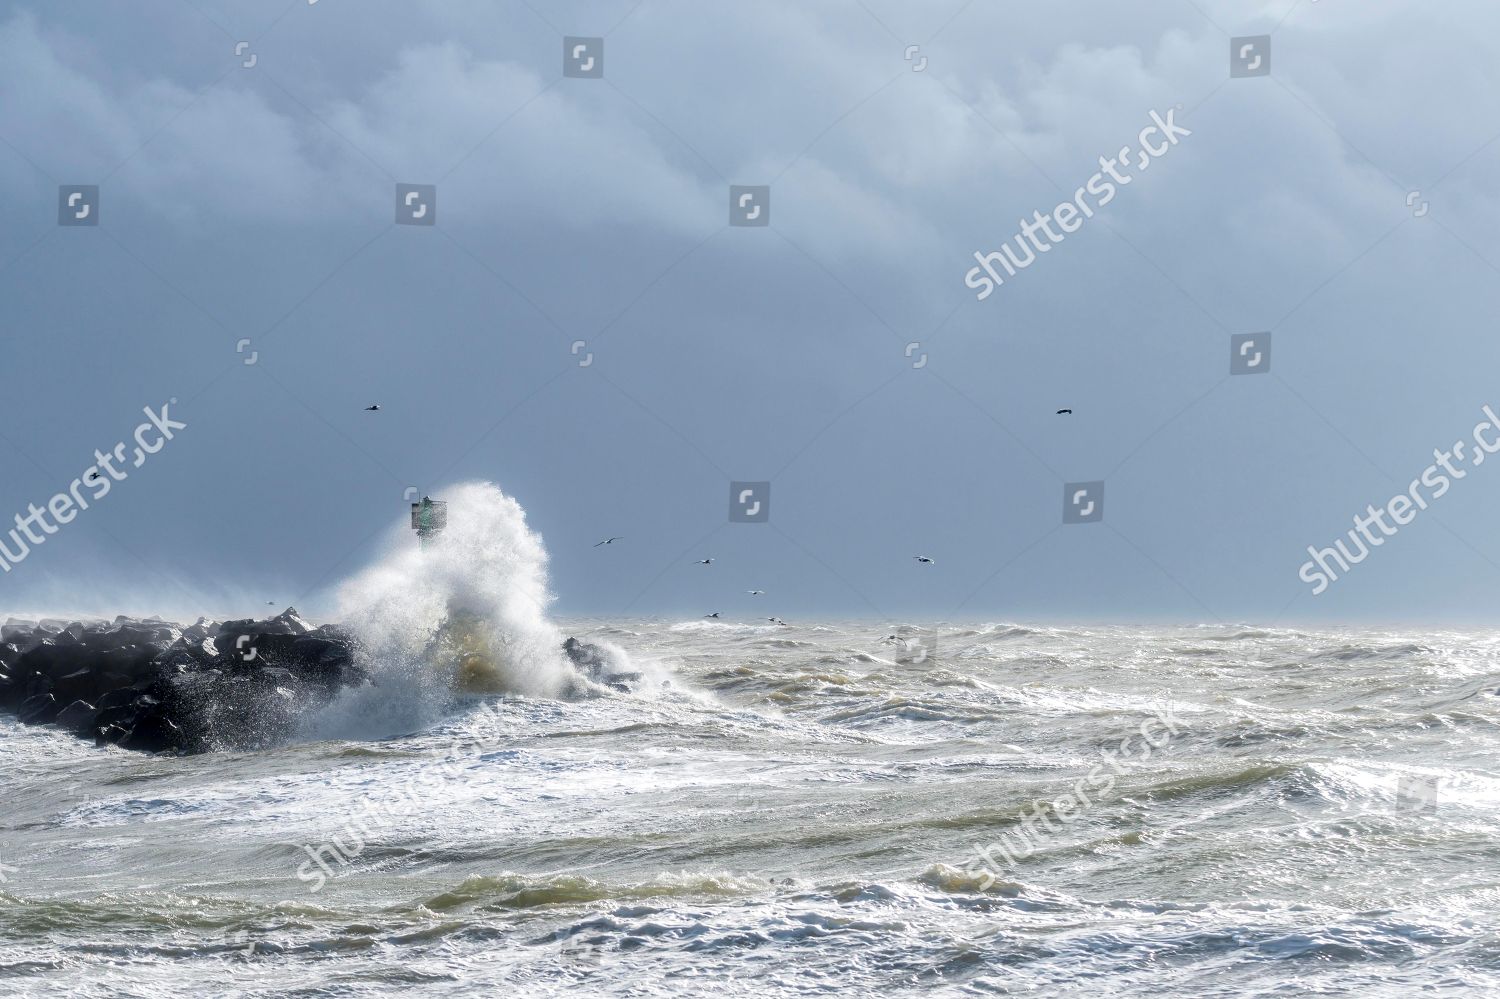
467, 613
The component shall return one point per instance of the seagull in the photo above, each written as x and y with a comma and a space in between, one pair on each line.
1060, 412
705, 561
609, 541
715, 614
372, 409
755, 593
777, 620
924, 559
270, 603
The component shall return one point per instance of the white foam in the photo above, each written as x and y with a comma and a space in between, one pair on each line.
488, 569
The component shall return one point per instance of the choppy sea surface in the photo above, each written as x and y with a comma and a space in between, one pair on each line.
802, 810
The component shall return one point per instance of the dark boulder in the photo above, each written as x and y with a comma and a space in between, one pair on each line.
77, 717
593, 662
38, 709
118, 697
82, 684
109, 735
155, 733
48, 658
23, 685
588, 658
21, 634
123, 715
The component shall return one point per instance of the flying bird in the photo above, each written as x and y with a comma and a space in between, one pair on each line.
705, 561
609, 541
372, 409
715, 614
777, 620
1060, 412
924, 559
755, 593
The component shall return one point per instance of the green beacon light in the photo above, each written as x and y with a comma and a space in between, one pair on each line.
428, 518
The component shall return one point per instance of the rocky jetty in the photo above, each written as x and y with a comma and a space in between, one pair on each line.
155, 686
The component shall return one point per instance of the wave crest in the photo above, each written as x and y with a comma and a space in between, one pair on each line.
473, 602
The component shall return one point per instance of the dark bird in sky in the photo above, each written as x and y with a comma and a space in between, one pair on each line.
372, 409
924, 559
1060, 412
609, 541
777, 620
715, 614
755, 593
705, 561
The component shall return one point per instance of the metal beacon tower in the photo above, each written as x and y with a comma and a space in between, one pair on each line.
428, 518
463, 632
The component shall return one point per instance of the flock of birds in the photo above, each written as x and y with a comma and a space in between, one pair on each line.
924, 559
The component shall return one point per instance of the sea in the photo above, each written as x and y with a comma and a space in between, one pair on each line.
814, 808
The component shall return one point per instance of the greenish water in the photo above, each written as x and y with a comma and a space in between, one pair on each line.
803, 811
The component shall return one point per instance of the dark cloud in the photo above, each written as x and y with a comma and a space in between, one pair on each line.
257, 203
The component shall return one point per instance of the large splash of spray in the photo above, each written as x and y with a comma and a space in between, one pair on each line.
468, 611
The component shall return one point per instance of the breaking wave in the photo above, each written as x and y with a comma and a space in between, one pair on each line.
465, 614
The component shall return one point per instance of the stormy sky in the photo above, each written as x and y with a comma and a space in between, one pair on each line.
247, 157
